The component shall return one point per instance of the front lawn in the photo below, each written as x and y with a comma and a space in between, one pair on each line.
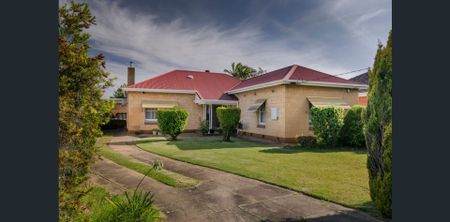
338, 175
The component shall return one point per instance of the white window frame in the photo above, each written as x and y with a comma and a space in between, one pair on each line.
262, 110
145, 115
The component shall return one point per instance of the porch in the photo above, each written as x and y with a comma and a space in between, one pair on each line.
209, 115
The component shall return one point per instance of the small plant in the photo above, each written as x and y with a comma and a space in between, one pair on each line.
172, 121
157, 165
137, 206
229, 119
204, 127
307, 141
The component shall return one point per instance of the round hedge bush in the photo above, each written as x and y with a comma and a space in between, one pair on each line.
172, 121
229, 119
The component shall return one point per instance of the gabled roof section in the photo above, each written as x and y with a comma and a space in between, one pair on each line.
278, 74
207, 85
293, 73
363, 78
307, 74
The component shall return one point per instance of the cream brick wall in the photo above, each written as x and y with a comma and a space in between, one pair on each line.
293, 108
274, 98
135, 121
297, 106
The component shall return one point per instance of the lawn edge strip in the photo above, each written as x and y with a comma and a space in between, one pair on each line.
143, 168
365, 210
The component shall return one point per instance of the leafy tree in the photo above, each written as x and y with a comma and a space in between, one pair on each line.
119, 93
229, 119
352, 131
378, 128
172, 121
81, 109
242, 71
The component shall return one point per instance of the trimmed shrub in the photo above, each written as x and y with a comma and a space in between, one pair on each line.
229, 119
327, 122
352, 133
307, 141
172, 121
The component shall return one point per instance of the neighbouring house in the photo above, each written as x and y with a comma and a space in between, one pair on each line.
362, 79
120, 109
275, 105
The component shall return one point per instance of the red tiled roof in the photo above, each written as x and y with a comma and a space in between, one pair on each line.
208, 85
268, 77
294, 72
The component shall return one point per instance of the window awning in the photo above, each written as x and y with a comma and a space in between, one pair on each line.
254, 107
159, 104
318, 101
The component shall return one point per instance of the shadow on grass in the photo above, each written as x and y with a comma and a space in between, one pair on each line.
203, 143
296, 149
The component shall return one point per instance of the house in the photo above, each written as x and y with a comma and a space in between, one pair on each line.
362, 79
275, 105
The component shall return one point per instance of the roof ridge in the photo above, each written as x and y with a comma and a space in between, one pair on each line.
291, 71
328, 75
266, 73
185, 70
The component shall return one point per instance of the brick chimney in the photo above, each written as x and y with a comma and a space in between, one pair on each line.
130, 77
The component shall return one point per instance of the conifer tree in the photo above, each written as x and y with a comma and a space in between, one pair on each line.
378, 129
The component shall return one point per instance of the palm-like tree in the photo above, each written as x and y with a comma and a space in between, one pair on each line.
241, 71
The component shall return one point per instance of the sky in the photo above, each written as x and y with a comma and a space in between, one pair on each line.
334, 37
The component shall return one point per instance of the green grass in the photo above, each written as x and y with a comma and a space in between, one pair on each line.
333, 174
164, 176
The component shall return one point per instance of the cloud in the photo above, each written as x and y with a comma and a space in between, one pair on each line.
124, 34
159, 47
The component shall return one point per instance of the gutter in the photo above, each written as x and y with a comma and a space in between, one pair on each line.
299, 82
216, 102
159, 90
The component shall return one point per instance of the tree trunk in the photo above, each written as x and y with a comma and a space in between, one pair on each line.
226, 136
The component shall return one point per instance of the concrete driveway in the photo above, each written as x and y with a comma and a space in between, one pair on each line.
221, 196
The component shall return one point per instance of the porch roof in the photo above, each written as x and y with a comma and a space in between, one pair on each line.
159, 104
324, 101
255, 106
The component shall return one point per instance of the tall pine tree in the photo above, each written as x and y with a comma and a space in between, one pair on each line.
378, 129
81, 110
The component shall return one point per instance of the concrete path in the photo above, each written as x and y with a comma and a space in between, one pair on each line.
221, 196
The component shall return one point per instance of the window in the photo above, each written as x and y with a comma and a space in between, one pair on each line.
150, 114
262, 115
